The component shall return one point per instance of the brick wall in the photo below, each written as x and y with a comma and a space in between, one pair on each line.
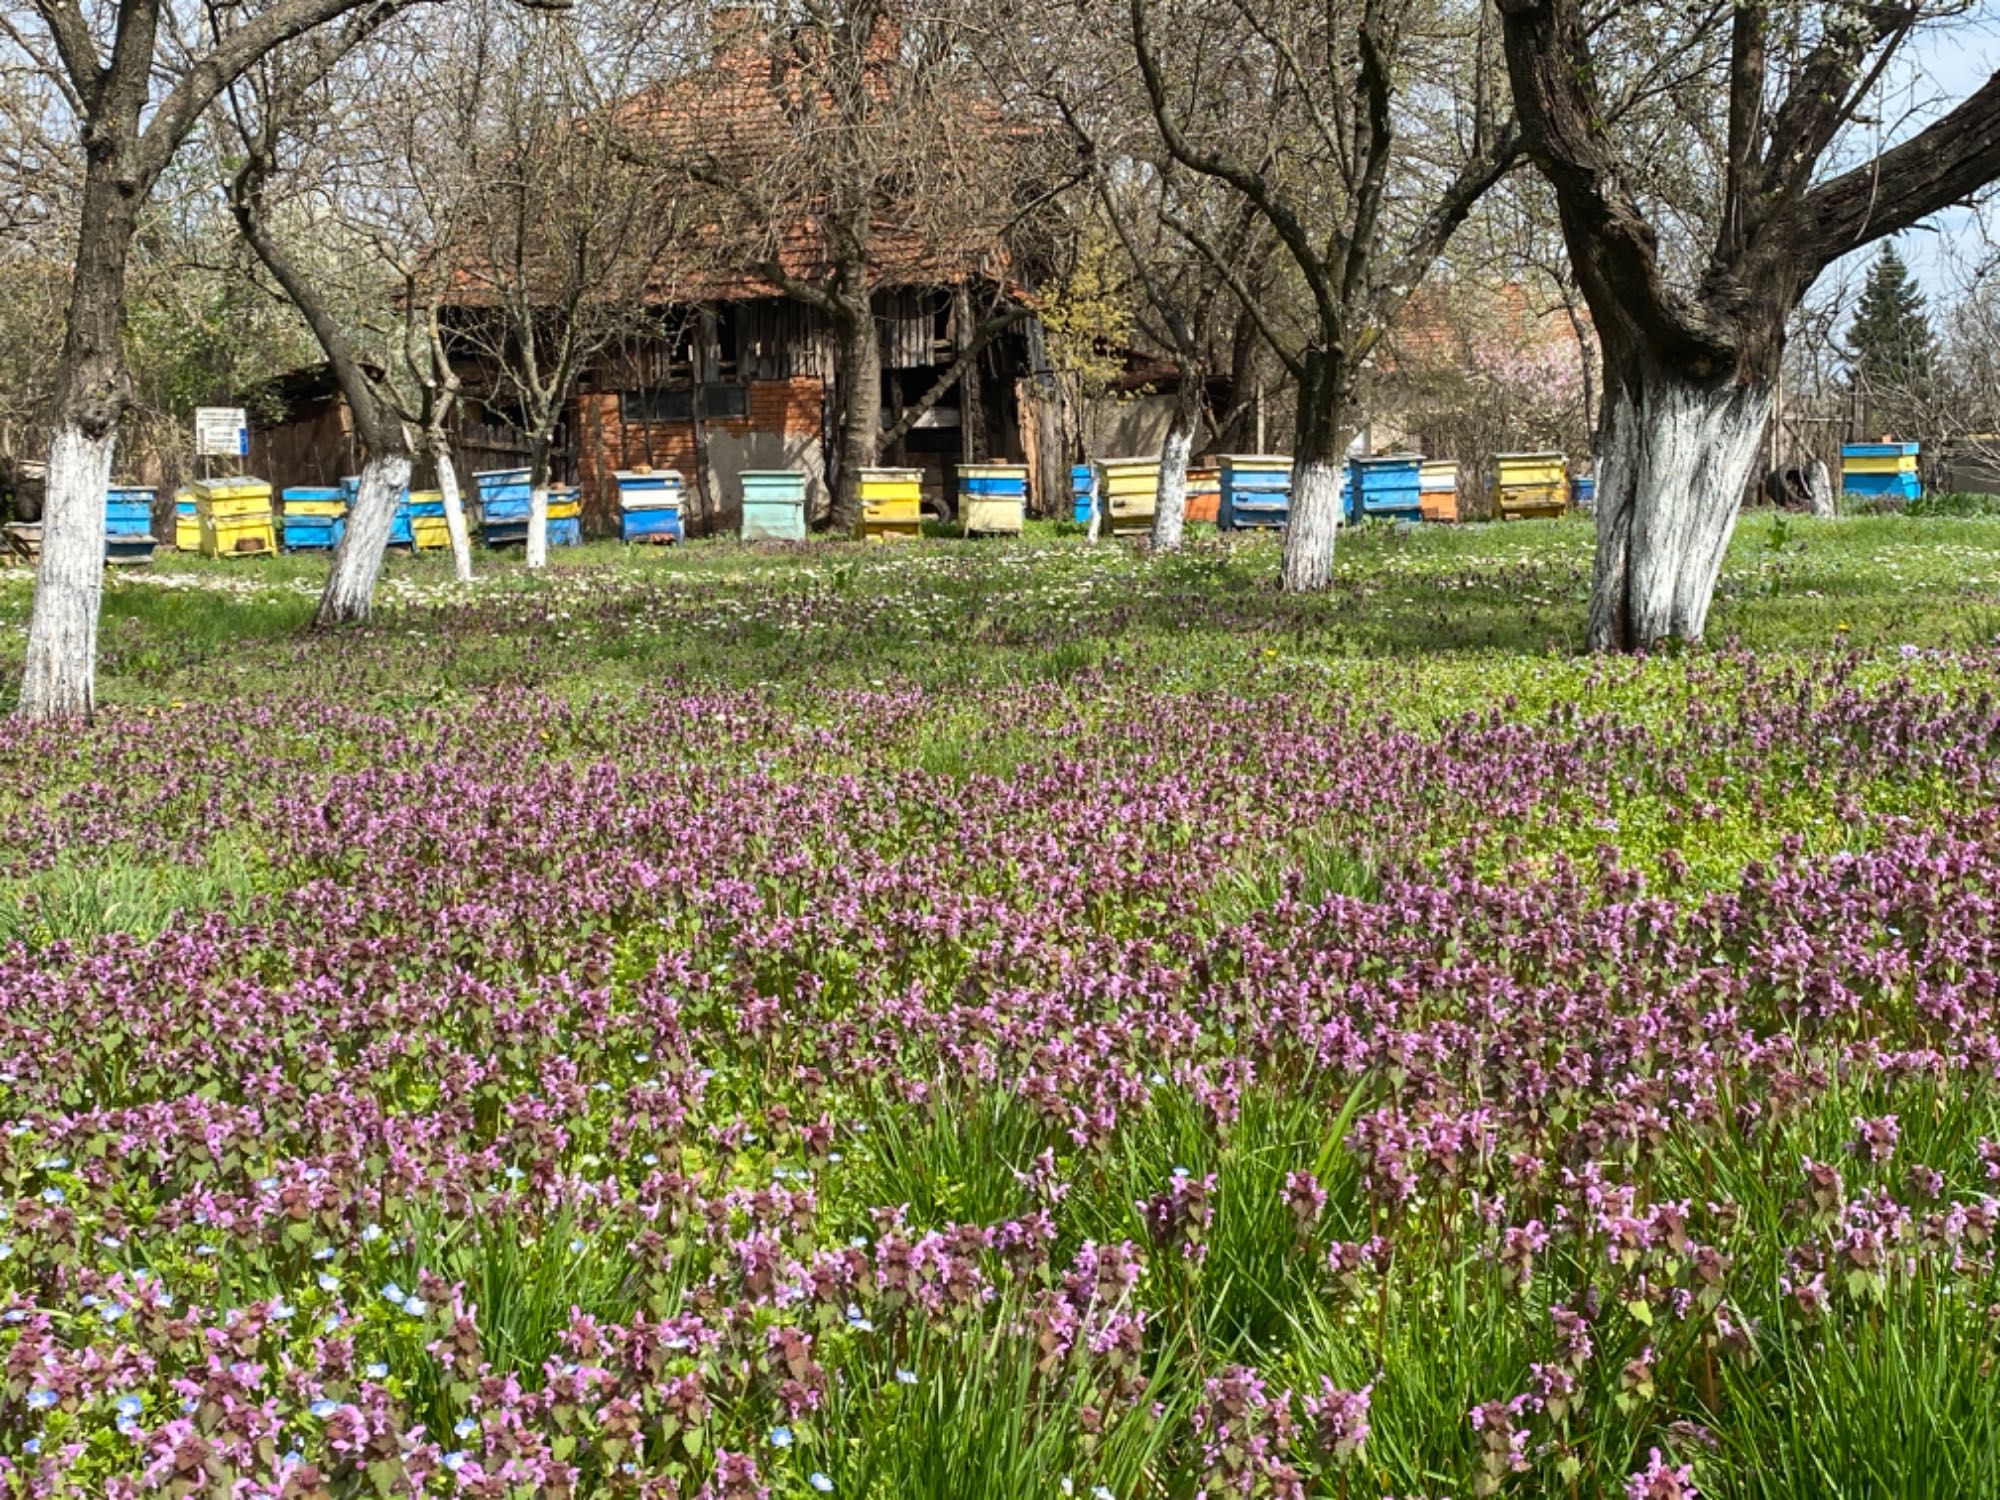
782, 430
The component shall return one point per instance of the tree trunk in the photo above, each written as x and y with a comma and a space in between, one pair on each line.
537, 546
1317, 458
1678, 455
1820, 501
1170, 510
61, 677
454, 510
93, 387
357, 561
860, 414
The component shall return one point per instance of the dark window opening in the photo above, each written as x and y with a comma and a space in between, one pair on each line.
721, 401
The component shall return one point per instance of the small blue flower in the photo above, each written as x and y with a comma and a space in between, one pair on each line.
651, 1158
204, 1251
856, 1321
52, 1195
393, 1292
781, 1437
466, 1427
455, 1461
128, 1406
293, 1458
820, 1482
41, 1399
32, 1446
282, 1311
906, 1377
371, 1233
378, 1371
110, 1313
324, 1407
267, 1184
416, 1307
328, 1281
325, 1252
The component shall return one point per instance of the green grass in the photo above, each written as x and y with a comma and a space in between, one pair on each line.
1456, 603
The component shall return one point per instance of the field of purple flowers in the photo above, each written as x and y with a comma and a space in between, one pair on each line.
1172, 1058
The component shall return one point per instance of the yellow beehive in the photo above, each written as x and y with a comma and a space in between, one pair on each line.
892, 503
1528, 484
992, 498
1131, 494
237, 536
233, 518
429, 533
187, 523
231, 497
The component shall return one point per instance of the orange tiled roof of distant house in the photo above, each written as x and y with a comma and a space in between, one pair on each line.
1439, 322
732, 113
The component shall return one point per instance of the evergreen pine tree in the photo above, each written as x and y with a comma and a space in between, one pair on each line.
1891, 339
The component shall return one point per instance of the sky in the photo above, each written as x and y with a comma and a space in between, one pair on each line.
1946, 63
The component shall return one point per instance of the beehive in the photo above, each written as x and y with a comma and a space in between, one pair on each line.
993, 498
1385, 487
1256, 491
187, 525
1204, 495
774, 505
1083, 493
1582, 491
1437, 490
503, 506
128, 525
233, 518
892, 503
504, 500
1527, 485
565, 516
1880, 471
399, 524
428, 531
314, 519
1131, 494
649, 505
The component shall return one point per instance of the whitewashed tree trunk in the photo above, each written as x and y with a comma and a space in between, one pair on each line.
1677, 459
1820, 501
538, 526
60, 680
357, 561
1097, 504
454, 514
1170, 510
1314, 523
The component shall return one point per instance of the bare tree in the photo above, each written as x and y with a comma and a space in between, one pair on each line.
1691, 296
1333, 125
854, 149
136, 76
377, 142
568, 246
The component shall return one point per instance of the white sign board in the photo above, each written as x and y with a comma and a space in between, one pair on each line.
222, 431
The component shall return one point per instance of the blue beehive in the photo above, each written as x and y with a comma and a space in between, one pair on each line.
649, 506
1386, 487
314, 519
1582, 491
128, 524
1083, 482
503, 506
399, 527
774, 505
1256, 491
1880, 471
